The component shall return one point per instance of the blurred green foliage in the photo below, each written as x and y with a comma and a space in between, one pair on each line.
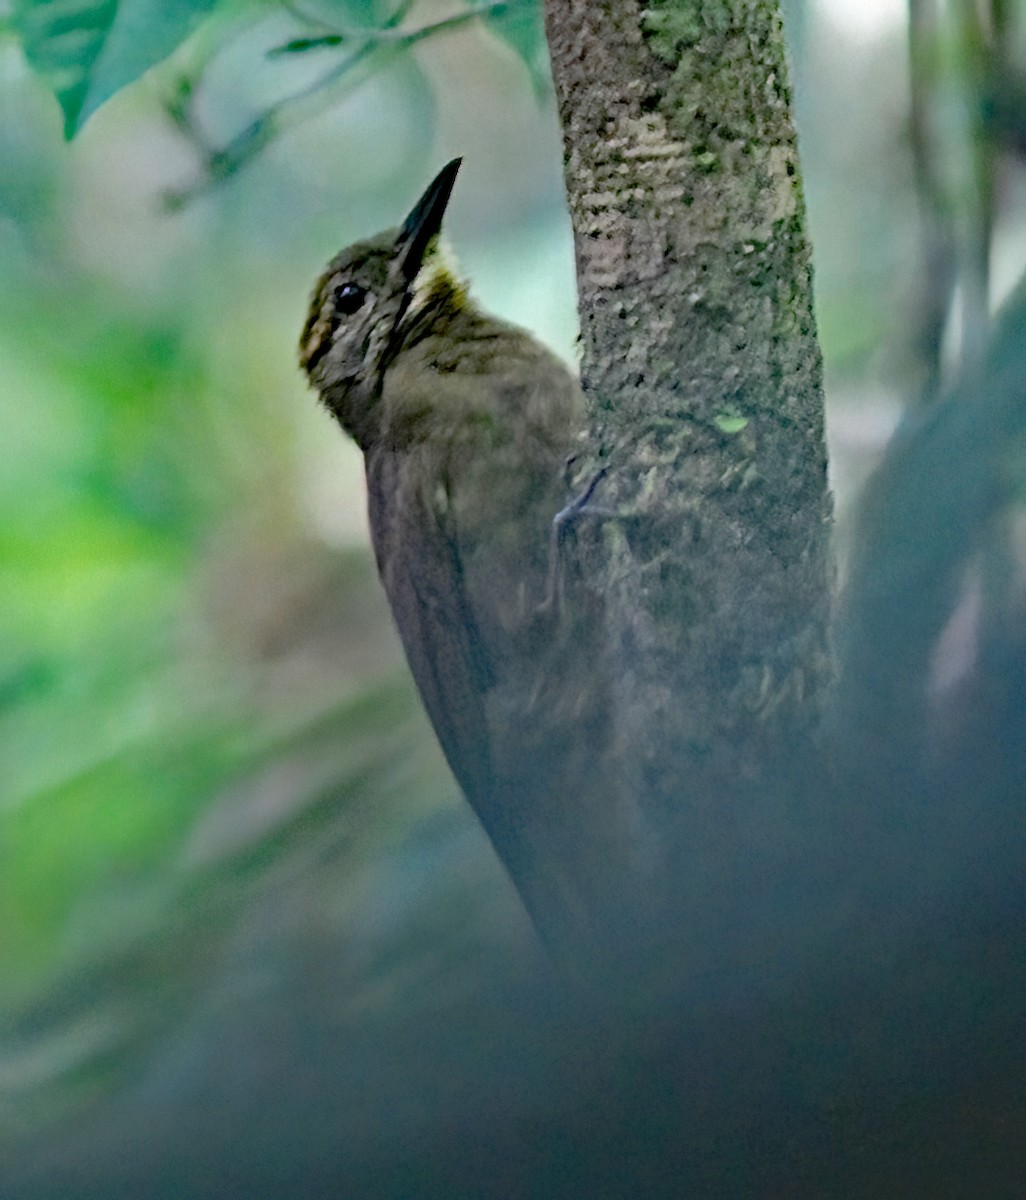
199, 695
212, 762
88, 50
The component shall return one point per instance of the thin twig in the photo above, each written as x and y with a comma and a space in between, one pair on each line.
384, 43
938, 277
399, 36
980, 58
393, 20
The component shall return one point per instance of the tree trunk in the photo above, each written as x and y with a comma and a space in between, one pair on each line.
704, 378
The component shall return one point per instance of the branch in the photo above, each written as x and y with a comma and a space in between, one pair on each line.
925, 512
377, 48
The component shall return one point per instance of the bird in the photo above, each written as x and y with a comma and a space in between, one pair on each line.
467, 424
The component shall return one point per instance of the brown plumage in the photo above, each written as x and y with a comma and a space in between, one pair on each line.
466, 423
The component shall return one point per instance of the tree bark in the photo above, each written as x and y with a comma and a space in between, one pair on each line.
703, 373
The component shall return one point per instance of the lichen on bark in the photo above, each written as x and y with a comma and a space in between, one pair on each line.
704, 376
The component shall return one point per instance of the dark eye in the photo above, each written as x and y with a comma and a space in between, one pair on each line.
349, 297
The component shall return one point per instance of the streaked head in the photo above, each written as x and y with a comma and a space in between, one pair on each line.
358, 304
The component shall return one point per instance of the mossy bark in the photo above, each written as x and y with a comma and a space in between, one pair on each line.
704, 376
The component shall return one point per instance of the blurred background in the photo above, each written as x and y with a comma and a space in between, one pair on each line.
233, 865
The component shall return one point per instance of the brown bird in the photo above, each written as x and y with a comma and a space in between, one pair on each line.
466, 424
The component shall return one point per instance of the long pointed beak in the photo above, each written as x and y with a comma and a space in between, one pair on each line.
425, 220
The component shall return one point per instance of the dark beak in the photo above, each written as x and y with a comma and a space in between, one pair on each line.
425, 221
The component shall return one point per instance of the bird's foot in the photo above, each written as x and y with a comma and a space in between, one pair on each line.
579, 507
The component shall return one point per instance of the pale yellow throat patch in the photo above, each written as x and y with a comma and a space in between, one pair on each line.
438, 275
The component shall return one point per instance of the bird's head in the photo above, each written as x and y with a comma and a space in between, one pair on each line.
353, 328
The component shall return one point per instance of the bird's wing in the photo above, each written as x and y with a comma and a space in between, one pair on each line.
420, 566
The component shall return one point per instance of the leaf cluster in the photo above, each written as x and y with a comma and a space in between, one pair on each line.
90, 50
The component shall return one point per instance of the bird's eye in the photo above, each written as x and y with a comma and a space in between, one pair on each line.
349, 297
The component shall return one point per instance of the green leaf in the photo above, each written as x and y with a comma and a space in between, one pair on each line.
520, 25
302, 45
730, 422
355, 14
89, 49
368, 14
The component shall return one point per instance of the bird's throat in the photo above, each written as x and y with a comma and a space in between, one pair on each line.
436, 286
